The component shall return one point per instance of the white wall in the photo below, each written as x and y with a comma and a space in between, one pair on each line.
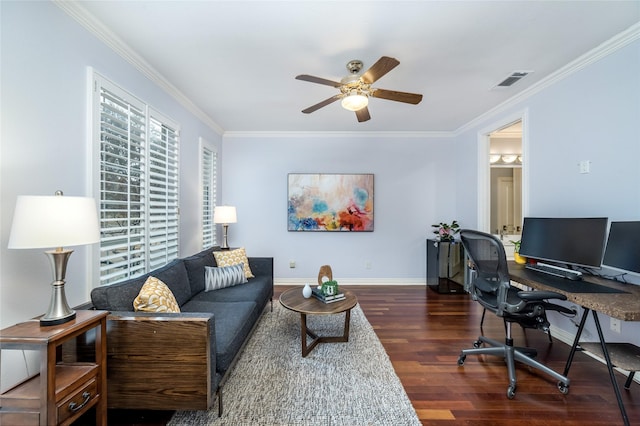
45, 55
591, 115
414, 182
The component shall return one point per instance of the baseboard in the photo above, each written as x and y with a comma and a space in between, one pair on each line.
354, 281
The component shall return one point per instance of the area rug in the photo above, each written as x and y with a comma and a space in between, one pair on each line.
350, 383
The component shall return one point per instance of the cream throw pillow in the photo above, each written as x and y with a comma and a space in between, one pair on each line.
155, 296
221, 277
233, 257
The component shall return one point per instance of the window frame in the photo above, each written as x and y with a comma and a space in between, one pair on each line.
156, 238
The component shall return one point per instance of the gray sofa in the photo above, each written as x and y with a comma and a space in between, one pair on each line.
177, 361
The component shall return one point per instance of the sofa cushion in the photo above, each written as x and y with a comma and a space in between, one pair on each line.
195, 268
120, 296
217, 277
233, 323
155, 296
258, 289
233, 257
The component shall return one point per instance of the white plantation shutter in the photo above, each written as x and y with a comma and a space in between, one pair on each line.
209, 196
162, 191
138, 184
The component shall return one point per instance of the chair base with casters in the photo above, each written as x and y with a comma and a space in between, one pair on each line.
491, 287
511, 354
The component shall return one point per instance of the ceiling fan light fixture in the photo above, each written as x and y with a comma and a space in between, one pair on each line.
355, 101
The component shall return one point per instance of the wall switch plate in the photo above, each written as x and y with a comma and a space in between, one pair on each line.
585, 166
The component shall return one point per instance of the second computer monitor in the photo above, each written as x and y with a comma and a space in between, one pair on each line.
623, 247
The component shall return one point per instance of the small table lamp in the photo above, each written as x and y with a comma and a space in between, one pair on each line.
55, 221
225, 215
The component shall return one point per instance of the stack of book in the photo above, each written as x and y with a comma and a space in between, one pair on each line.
317, 293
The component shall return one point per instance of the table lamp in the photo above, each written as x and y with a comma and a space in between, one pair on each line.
55, 221
225, 215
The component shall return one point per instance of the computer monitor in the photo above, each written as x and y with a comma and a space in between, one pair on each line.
623, 247
570, 241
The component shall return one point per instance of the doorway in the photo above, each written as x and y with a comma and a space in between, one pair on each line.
505, 163
505, 158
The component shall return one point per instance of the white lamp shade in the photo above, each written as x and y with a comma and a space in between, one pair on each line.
54, 221
224, 214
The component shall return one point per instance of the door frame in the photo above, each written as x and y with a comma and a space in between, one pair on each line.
484, 169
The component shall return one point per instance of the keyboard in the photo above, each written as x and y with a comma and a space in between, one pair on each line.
555, 270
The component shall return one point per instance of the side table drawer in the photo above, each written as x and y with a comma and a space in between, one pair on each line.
79, 401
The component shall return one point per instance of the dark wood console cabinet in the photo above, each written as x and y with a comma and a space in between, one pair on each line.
445, 266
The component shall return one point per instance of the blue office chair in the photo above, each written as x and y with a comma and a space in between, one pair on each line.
491, 287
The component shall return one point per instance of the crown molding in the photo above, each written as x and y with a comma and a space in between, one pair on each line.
115, 43
310, 134
608, 47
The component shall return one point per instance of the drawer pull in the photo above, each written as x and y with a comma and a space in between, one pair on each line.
77, 407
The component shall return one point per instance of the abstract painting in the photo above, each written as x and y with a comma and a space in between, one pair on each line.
330, 202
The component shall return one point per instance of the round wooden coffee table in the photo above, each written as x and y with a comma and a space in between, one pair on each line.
294, 300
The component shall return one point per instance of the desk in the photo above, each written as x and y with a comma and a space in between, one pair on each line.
623, 306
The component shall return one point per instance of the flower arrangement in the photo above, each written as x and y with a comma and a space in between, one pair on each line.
446, 232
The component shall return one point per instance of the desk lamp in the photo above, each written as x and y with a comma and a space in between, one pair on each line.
55, 221
225, 215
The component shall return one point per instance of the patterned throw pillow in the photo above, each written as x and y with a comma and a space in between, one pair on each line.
221, 277
233, 257
155, 296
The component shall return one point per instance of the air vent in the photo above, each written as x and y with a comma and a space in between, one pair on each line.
512, 79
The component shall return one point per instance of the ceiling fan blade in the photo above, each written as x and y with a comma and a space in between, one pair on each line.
322, 104
312, 79
379, 69
363, 114
392, 95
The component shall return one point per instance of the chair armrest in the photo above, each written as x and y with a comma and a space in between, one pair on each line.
540, 295
161, 361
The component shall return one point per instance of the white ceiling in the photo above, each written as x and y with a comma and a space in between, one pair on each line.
236, 61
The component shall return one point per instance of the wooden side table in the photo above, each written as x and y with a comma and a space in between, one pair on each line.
63, 390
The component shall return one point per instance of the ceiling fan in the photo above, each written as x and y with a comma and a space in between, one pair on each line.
355, 89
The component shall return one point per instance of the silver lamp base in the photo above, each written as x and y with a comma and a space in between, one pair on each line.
225, 244
59, 311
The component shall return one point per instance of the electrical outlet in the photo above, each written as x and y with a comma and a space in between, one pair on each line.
367, 264
292, 264
615, 325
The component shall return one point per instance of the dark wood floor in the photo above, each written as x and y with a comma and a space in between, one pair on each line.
423, 333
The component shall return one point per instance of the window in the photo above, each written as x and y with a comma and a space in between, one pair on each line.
209, 165
137, 182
